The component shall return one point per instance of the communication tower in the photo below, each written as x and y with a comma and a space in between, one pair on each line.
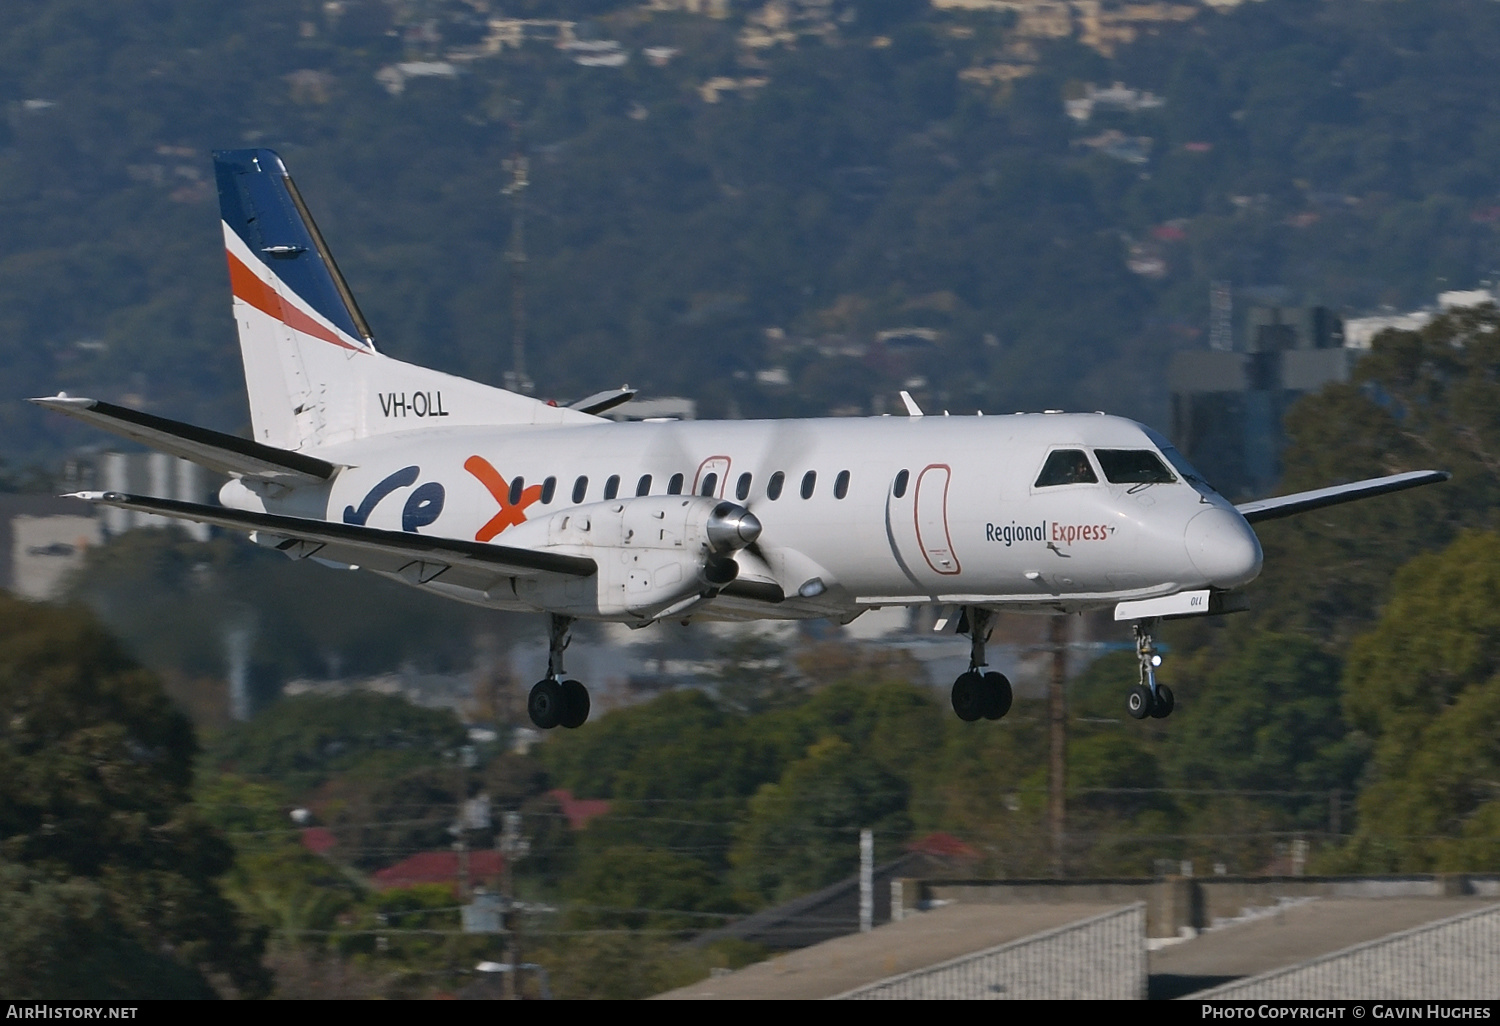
516, 379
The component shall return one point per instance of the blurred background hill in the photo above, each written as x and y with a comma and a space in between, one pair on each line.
785, 208
794, 207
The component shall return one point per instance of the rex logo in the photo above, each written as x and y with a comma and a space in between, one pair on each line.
422, 507
511, 513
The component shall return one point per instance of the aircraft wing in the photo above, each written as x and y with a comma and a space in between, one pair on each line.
227, 454
1301, 502
419, 556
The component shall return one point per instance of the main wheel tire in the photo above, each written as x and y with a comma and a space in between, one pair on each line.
1164, 704
575, 700
968, 697
546, 704
997, 696
1138, 703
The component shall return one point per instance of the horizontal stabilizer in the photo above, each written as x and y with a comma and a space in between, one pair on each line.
602, 401
1301, 502
368, 546
226, 454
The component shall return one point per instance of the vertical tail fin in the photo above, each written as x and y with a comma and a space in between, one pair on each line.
311, 368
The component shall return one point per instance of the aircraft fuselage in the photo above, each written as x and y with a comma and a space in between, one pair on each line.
884, 510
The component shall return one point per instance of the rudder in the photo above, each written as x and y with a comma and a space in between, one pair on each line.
312, 372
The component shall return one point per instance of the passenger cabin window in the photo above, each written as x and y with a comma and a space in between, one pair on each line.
773, 486
841, 485
709, 485
809, 482
517, 486
742, 488
1133, 466
1066, 466
580, 489
612, 486
643, 486
899, 489
674, 486
549, 489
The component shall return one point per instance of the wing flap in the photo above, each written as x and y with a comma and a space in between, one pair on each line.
1301, 502
395, 551
226, 454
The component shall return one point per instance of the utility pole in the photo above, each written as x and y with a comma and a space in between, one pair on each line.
866, 880
1057, 630
519, 167
467, 758
512, 847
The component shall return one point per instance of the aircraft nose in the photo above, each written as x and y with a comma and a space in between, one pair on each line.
1224, 548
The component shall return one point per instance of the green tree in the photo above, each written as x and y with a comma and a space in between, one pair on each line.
276, 882
302, 742
1425, 685
1267, 719
802, 832
1420, 400
97, 813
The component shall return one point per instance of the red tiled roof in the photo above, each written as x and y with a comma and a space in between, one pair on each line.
318, 840
438, 867
942, 844
578, 810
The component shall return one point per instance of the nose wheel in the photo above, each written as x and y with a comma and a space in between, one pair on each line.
1148, 698
976, 694
554, 702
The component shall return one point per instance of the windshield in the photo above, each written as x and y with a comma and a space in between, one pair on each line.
1066, 466
1133, 466
1179, 462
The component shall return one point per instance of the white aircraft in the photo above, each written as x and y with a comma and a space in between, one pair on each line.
494, 498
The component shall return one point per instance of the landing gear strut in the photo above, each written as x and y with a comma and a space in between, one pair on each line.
1148, 698
977, 694
554, 702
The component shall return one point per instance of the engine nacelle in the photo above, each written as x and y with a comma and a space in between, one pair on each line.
656, 554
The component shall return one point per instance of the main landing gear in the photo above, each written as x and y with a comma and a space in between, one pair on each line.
977, 694
554, 702
1148, 698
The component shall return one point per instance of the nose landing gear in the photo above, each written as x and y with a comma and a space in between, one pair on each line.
554, 702
977, 695
1148, 698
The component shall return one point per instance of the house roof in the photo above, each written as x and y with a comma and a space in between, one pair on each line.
438, 867
578, 810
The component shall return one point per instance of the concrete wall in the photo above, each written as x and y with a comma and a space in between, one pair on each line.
1179, 903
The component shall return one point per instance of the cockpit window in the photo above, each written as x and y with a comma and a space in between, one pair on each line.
1133, 466
1066, 466
1179, 463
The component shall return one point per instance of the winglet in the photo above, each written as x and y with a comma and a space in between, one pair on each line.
912, 409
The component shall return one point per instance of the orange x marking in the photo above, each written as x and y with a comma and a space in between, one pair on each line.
509, 515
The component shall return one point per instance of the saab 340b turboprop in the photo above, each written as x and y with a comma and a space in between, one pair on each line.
498, 499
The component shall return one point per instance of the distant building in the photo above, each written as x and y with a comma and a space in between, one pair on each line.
393, 77
42, 540
666, 408
1227, 407
1115, 97
1360, 332
158, 475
